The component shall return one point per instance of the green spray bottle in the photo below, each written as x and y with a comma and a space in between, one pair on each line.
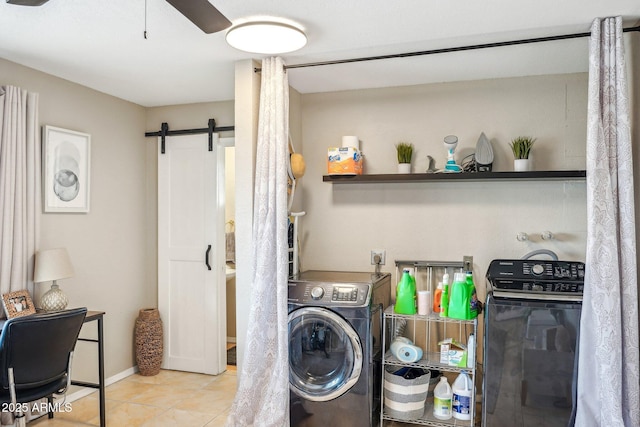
406, 294
444, 301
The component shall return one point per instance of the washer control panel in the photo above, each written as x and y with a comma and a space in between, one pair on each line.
347, 293
317, 292
536, 276
334, 294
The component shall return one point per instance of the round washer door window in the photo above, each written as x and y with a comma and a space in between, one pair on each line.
325, 354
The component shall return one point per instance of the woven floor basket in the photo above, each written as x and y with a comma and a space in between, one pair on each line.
149, 346
405, 398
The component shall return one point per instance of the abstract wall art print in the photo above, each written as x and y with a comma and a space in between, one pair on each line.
66, 156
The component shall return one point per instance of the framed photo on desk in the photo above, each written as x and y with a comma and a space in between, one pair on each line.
17, 304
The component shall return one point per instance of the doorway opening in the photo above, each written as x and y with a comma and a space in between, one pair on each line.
230, 251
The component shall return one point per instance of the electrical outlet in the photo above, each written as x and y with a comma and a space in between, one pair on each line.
467, 261
378, 256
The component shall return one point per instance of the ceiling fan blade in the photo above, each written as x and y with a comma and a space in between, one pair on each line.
28, 2
203, 14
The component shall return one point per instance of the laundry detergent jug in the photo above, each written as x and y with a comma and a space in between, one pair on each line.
462, 401
406, 294
442, 397
463, 302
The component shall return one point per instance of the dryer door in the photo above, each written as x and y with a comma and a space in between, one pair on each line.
325, 354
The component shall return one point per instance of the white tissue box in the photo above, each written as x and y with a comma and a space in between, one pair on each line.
453, 353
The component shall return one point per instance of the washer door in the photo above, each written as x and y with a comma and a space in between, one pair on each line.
325, 354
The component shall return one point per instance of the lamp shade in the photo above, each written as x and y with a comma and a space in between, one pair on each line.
52, 264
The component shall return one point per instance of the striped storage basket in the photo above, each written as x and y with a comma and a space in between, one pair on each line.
404, 398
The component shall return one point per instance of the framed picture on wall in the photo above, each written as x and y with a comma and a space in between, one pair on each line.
17, 304
66, 163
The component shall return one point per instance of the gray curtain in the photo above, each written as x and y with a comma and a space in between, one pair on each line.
262, 399
19, 193
19, 187
608, 366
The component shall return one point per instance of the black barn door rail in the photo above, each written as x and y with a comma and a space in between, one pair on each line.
210, 129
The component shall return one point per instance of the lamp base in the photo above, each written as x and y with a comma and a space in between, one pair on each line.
54, 299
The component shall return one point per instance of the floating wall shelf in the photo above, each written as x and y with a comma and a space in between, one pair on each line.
563, 175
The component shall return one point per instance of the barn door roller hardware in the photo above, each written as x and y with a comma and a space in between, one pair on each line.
210, 129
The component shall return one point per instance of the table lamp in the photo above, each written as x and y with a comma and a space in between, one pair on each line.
52, 265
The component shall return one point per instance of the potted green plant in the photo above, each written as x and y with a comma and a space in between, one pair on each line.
404, 151
521, 147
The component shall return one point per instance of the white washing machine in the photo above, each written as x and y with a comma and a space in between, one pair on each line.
335, 347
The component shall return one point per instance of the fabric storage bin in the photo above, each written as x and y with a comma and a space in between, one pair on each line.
404, 397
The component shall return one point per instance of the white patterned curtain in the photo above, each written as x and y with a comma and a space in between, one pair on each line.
262, 399
608, 374
19, 187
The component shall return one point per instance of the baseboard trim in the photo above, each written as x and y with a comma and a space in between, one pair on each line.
85, 391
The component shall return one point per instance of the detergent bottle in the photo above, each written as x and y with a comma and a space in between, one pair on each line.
437, 298
444, 302
406, 294
471, 351
473, 299
412, 277
442, 397
463, 304
457, 298
462, 401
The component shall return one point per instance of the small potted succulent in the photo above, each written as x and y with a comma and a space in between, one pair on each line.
404, 151
521, 147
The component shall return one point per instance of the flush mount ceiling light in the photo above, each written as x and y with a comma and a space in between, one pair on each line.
266, 37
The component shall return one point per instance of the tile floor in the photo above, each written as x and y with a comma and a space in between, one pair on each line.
170, 399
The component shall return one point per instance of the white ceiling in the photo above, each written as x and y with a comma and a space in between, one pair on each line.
100, 43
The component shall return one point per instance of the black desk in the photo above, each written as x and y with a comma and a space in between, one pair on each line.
91, 316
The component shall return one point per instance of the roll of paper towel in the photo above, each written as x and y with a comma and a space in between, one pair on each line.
404, 350
408, 353
351, 141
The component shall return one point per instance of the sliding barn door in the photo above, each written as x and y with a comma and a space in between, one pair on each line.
191, 281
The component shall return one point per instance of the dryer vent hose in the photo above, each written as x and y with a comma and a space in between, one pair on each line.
401, 324
552, 254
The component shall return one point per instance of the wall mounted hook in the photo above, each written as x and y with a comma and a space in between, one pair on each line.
546, 235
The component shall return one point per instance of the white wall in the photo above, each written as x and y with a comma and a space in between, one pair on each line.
107, 246
444, 221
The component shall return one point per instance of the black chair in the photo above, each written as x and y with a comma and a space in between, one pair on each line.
35, 358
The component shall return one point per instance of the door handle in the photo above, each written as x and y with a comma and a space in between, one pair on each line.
206, 257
